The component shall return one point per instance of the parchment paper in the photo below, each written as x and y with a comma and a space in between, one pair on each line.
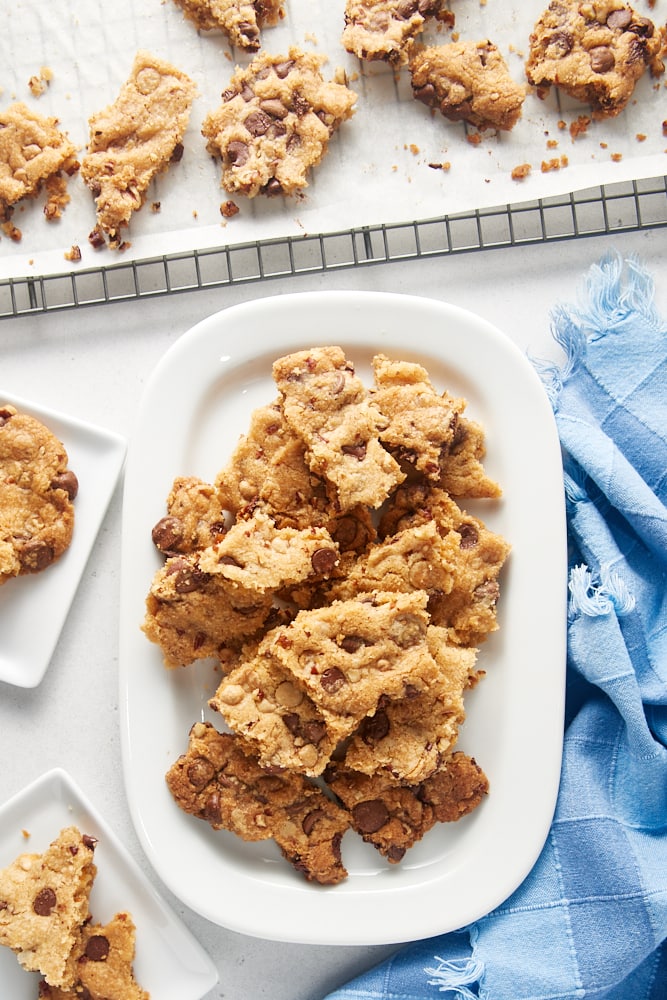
382, 166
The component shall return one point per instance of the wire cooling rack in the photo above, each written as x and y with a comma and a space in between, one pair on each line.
612, 209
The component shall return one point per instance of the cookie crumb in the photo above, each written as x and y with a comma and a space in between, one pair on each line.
521, 171
616, 157
74, 253
229, 209
579, 126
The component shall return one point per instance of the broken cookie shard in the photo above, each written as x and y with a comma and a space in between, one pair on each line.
134, 139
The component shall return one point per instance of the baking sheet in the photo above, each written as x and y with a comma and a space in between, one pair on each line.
380, 165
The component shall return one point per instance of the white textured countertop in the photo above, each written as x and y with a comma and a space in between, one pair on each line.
93, 363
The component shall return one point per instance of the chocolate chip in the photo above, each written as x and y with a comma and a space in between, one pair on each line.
200, 772
188, 578
36, 555
349, 533
469, 536
44, 902
324, 561
5, 416
333, 680
405, 9
602, 59
177, 154
273, 188
560, 43
237, 153
395, 854
619, 18
250, 34
426, 94
357, 451
96, 237
274, 107
229, 561
167, 534
97, 948
283, 68
310, 819
212, 809
66, 481
371, 816
487, 593
313, 731
257, 123
351, 643
374, 727
89, 842
642, 26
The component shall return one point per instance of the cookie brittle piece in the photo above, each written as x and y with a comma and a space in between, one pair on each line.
260, 701
417, 558
275, 122
104, 969
421, 422
386, 29
194, 518
37, 489
44, 905
595, 52
348, 654
469, 608
393, 817
257, 556
33, 151
217, 781
192, 615
241, 20
408, 739
134, 139
468, 81
326, 403
462, 472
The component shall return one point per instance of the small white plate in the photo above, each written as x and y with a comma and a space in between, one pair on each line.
169, 963
196, 405
33, 608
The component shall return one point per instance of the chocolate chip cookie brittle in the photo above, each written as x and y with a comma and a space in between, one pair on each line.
468, 81
386, 29
219, 782
275, 122
33, 152
595, 52
104, 967
134, 139
327, 406
44, 905
37, 489
241, 20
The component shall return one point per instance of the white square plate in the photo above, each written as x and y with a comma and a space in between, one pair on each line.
33, 608
196, 405
169, 963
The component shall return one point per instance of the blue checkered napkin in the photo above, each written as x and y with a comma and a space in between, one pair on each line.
591, 918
